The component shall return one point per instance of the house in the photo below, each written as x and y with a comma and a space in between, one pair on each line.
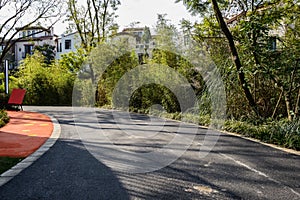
10, 55
38, 36
67, 43
140, 39
274, 34
31, 37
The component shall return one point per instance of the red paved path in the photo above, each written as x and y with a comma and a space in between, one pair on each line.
24, 134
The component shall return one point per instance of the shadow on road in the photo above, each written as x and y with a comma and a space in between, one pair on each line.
69, 171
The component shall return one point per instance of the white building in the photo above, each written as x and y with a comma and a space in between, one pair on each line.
67, 43
140, 39
31, 37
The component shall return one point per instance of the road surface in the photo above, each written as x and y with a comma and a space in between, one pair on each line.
84, 165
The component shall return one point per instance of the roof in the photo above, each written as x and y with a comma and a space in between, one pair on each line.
37, 38
244, 13
34, 28
69, 34
236, 17
124, 33
132, 29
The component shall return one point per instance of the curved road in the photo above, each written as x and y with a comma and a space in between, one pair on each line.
84, 165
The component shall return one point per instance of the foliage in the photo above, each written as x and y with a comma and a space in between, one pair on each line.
13, 83
148, 95
112, 75
45, 85
4, 118
144, 97
266, 36
48, 51
269, 56
93, 20
73, 60
166, 34
283, 133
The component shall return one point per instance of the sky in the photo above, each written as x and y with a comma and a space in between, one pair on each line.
145, 12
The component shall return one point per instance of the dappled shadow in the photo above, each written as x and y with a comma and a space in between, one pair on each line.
189, 177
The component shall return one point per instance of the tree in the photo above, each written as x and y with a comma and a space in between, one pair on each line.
48, 51
93, 20
147, 35
18, 15
45, 84
166, 33
197, 6
266, 37
73, 60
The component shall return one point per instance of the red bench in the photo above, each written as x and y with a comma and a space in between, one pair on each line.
16, 98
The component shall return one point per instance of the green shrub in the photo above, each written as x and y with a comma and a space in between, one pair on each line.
4, 118
45, 84
283, 133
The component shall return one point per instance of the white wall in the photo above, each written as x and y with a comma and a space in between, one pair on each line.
61, 44
20, 47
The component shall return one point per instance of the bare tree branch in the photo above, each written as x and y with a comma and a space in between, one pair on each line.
18, 13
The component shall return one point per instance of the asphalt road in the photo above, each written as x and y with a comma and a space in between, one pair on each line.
114, 159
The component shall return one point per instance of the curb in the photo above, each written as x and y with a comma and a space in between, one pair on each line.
15, 170
286, 150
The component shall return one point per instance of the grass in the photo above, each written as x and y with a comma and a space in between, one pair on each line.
281, 133
6, 163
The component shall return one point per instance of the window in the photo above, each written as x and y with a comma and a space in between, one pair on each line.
140, 34
186, 40
59, 47
33, 33
28, 33
68, 44
28, 51
140, 56
272, 44
138, 40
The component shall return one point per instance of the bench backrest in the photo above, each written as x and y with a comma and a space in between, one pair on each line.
16, 97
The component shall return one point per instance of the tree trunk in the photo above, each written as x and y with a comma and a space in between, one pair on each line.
278, 103
236, 58
297, 105
288, 105
104, 16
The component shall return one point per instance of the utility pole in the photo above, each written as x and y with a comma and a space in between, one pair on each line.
6, 66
